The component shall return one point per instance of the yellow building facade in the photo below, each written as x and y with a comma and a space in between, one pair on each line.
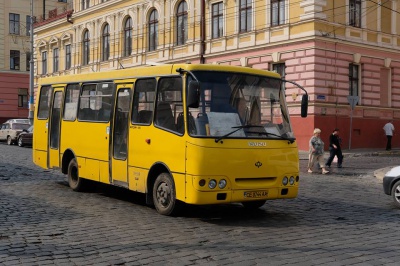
334, 49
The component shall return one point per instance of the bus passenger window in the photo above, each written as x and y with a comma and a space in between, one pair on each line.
164, 117
44, 102
143, 101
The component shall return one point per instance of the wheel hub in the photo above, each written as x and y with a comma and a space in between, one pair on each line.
163, 194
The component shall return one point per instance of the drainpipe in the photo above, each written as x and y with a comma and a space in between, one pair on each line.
202, 31
44, 9
31, 73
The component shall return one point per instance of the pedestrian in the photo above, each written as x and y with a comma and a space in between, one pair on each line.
316, 151
335, 149
389, 130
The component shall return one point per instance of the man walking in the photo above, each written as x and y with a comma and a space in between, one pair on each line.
335, 149
389, 129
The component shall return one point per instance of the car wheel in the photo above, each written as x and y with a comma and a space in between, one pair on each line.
9, 141
253, 204
396, 193
20, 142
75, 182
164, 195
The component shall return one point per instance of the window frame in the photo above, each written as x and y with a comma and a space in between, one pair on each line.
86, 48
182, 23
105, 42
355, 13
278, 10
153, 29
15, 60
44, 62
14, 23
68, 56
217, 17
245, 15
354, 80
56, 57
128, 36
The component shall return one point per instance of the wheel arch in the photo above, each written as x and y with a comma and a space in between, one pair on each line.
67, 157
155, 170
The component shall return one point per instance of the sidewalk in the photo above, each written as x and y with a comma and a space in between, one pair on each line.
380, 173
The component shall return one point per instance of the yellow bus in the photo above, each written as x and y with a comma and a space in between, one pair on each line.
179, 133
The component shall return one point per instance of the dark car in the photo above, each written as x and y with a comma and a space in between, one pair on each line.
391, 184
25, 137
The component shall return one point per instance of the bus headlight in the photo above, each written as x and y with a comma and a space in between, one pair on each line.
285, 181
291, 180
222, 183
202, 182
212, 183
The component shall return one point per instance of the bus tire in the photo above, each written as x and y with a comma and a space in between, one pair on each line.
75, 182
253, 204
164, 195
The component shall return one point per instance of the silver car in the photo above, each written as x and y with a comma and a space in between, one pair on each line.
10, 130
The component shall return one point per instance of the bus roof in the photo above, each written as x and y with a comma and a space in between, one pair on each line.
148, 71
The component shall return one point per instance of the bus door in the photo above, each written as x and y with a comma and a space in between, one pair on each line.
119, 156
54, 129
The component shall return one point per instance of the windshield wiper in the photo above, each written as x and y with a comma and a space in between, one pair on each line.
237, 128
291, 140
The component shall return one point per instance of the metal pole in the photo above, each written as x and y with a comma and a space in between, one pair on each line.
31, 72
351, 124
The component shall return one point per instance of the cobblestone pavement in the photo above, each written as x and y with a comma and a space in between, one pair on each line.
342, 218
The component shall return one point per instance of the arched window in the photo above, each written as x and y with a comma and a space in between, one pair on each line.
105, 43
128, 37
153, 30
181, 23
86, 48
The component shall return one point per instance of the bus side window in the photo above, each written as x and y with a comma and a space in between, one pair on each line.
164, 117
143, 101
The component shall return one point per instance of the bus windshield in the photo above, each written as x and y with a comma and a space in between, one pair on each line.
237, 105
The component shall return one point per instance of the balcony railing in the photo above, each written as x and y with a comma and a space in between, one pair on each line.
53, 15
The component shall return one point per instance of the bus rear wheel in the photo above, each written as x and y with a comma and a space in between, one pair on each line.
75, 182
253, 204
164, 195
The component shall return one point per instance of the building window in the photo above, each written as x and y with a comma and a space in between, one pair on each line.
85, 4
67, 56
153, 30
28, 25
354, 79
86, 48
245, 15
55, 60
23, 98
181, 23
355, 13
44, 63
14, 59
277, 12
217, 20
28, 61
63, 1
128, 37
105, 43
14, 23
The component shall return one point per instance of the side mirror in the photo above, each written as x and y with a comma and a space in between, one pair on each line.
304, 105
193, 96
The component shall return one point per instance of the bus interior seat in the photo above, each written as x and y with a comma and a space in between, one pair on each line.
104, 114
145, 116
180, 124
164, 116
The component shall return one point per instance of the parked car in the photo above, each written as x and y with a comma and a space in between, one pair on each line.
10, 130
25, 137
391, 184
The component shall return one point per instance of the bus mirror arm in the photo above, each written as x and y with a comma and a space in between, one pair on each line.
304, 98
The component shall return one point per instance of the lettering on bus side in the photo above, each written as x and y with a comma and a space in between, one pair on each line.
257, 144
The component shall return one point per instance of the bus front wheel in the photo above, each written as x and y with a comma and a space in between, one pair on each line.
164, 196
74, 181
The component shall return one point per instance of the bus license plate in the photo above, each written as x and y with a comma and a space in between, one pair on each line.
256, 194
